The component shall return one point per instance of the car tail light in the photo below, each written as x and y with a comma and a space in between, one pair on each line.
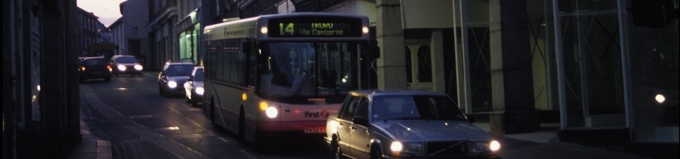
108, 67
82, 68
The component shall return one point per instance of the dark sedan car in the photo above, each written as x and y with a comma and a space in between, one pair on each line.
171, 79
126, 64
94, 68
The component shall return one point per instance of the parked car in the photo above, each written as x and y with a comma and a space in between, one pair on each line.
405, 124
94, 68
171, 79
126, 64
194, 87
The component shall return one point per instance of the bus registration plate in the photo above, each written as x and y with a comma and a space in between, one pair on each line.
315, 130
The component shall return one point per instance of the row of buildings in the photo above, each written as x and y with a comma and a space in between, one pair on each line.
606, 70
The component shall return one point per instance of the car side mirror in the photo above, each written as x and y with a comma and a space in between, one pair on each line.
361, 120
472, 119
191, 78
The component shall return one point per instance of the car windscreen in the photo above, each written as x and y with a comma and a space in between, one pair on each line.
408, 107
179, 70
199, 75
126, 60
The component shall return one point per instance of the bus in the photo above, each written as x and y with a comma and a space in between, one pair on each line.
273, 76
105, 49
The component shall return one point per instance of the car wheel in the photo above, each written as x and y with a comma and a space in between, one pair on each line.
160, 90
376, 153
194, 102
335, 148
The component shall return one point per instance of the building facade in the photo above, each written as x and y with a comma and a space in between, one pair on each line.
162, 33
90, 31
135, 34
189, 29
118, 36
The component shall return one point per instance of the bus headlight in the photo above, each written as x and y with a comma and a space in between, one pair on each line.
199, 90
122, 67
172, 84
138, 67
272, 112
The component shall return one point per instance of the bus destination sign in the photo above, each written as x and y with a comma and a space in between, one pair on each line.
312, 29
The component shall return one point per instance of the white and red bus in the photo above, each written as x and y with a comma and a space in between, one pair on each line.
277, 75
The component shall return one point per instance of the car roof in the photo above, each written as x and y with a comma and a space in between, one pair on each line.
180, 63
381, 92
93, 57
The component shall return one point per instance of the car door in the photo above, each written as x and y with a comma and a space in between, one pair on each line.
345, 123
359, 130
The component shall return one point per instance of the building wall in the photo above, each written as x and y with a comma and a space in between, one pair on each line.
135, 33
47, 117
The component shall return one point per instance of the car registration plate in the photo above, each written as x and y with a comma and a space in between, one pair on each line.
315, 130
96, 72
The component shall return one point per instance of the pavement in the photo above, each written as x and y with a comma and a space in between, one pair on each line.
533, 145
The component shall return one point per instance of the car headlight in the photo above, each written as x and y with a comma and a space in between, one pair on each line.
271, 112
399, 147
484, 146
138, 67
172, 84
396, 146
200, 90
122, 67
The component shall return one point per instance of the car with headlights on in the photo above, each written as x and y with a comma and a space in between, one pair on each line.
194, 87
405, 124
126, 64
94, 68
171, 79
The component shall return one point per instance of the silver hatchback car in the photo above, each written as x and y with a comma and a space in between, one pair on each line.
405, 124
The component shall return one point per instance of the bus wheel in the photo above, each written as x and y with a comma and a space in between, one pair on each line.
242, 125
212, 112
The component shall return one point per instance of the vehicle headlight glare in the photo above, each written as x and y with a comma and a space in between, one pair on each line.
122, 67
494, 145
200, 90
396, 146
272, 112
172, 84
138, 67
660, 98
